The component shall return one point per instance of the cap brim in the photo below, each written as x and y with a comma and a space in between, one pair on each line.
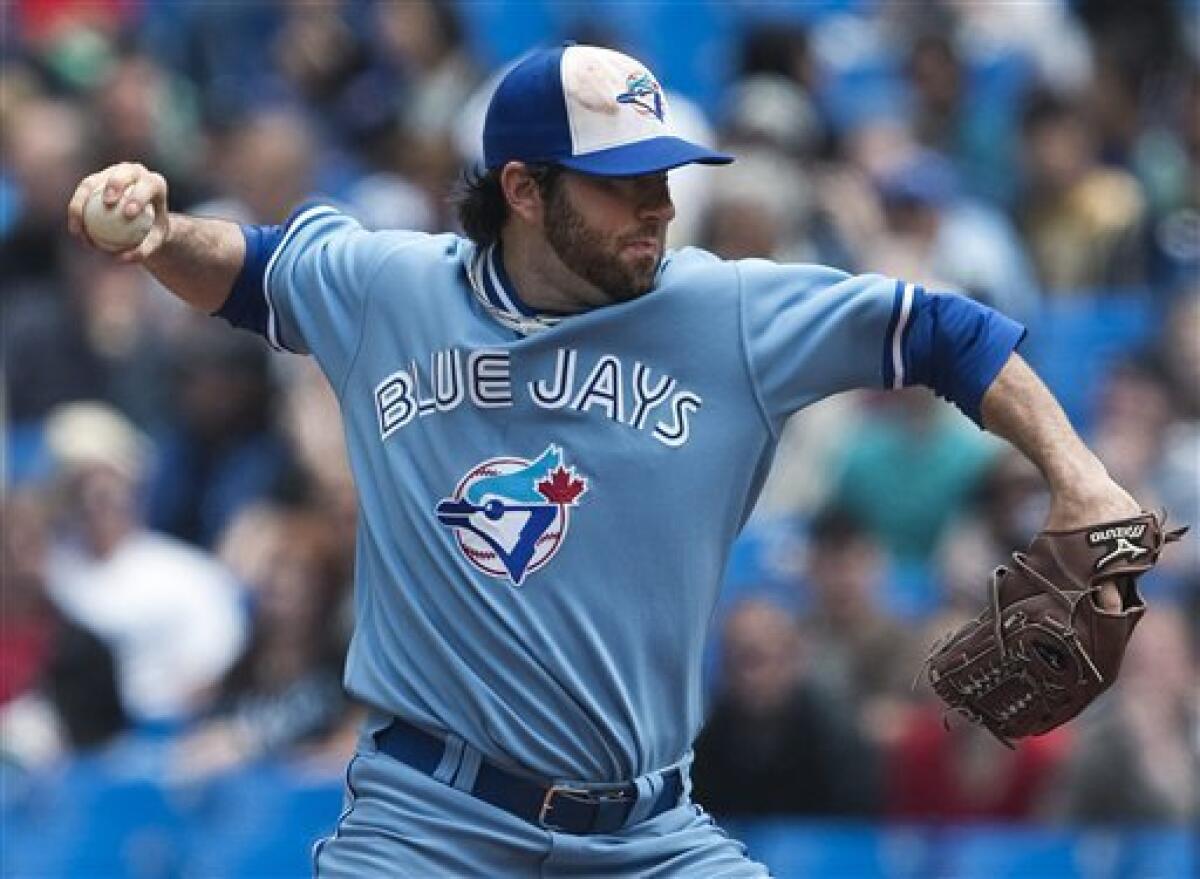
644, 157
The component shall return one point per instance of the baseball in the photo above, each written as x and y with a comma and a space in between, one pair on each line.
110, 229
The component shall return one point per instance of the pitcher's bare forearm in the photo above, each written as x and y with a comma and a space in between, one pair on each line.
1020, 408
199, 260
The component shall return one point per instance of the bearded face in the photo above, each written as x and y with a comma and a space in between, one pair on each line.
616, 240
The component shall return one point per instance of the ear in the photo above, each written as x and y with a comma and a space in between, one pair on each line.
521, 192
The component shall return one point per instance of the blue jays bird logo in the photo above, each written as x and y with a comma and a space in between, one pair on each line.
644, 94
510, 516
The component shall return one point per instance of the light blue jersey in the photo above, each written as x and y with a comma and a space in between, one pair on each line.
547, 504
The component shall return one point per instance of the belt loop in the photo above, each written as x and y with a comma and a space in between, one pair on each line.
468, 768
648, 788
450, 759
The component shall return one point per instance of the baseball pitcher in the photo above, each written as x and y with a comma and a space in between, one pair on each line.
557, 429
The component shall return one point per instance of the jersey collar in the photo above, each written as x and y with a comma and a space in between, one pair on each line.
498, 296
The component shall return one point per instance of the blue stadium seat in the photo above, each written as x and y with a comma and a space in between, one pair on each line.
89, 820
800, 850
96, 819
261, 822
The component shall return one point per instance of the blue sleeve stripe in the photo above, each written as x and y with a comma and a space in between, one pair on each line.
900, 333
915, 294
894, 373
293, 227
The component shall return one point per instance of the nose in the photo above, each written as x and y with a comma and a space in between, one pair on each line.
655, 203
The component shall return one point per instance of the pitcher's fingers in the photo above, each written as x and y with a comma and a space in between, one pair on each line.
75, 207
147, 188
1109, 597
118, 179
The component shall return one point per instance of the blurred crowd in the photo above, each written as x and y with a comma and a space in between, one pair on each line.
178, 516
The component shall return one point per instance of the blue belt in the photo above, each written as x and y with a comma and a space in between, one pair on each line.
562, 808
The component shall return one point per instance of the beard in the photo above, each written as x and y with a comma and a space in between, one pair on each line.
594, 256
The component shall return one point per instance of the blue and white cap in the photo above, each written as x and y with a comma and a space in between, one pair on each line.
589, 109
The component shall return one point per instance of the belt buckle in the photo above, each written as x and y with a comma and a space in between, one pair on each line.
578, 794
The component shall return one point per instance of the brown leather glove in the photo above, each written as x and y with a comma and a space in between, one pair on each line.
1044, 649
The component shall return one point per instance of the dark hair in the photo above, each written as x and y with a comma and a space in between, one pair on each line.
1043, 107
480, 203
774, 48
835, 526
448, 23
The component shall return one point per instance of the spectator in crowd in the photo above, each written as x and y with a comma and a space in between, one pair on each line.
1139, 53
773, 112
963, 773
810, 447
222, 449
44, 150
936, 236
311, 424
1179, 362
1180, 355
321, 53
1141, 439
1084, 222
1047, 35
775, 743
778, 48
47, 356
1136, 757
285, 690
58, 692
357, 92
855, 648
309, 419
1176, 147
424, 41
147, 115
128, 331
223, 49
170, 613
974, 132
1007, 510
266, 163
909, 472
1133, 414
759, 210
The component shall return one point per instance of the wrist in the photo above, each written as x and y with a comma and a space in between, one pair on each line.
172, 227
1078, 476
1092, 496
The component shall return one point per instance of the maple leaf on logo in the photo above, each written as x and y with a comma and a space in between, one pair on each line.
562, 487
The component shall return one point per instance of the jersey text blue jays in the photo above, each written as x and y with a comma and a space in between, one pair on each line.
637, 396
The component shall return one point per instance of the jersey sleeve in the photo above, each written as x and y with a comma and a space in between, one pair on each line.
303, 285
812, 331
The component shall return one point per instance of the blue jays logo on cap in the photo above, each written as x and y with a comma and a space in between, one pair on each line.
510, 515
644, 94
